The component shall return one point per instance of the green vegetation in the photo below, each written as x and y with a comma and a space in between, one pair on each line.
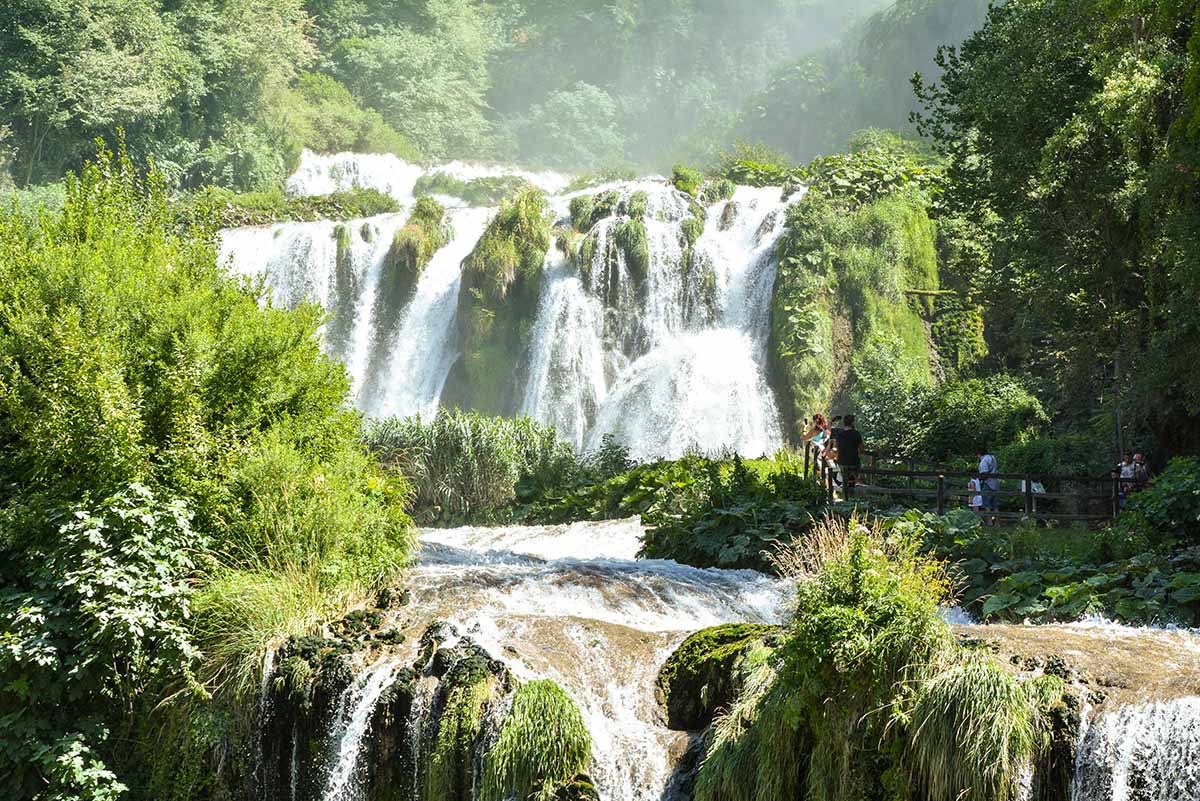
703, 675
498, 299
867, 688
424, 234
687, 179
1047, 575
468, 685
630, 237
476, 192
466, 466
231, 209
187, 488
542, 747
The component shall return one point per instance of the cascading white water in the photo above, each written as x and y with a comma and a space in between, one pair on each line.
1141, 752
420, 356
355, 708
571, 603
324, 174
666, 362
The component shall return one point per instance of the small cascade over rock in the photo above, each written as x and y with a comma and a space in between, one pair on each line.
1141, 752
648, 298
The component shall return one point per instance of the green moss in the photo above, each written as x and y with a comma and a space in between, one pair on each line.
635, 205
541, 749
686, 179
412, 248
703, 676
498, 298
716, 190
691, 229
582, 208
486, 191
345, 290
465, 690
584, 256
261, 208
630, 237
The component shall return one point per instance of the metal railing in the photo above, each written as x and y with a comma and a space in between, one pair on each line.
903, 481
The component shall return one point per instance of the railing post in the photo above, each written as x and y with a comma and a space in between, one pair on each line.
1028, 495
829, 482
941, 495
807, 448
1116, 497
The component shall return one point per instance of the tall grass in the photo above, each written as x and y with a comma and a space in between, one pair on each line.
543, 745
468, 466
972, 732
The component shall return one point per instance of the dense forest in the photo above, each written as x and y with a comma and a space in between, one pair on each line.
996, 251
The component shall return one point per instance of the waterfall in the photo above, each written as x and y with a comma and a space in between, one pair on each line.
573, 604
666, 354
423, 351
1141, 752
354, 713
324, 174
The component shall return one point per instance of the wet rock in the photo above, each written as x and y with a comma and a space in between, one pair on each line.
393, 598
728, 216
580, 788
702, 677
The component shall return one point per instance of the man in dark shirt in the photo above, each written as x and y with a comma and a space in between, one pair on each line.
849, 448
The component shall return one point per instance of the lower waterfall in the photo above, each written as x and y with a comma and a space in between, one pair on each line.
572, 603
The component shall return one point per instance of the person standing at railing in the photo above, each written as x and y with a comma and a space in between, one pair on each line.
818, 432
988, 466
849, 451
1126, 474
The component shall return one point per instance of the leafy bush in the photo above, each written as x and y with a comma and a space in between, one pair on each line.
962, 417
687, 179
92, 615
757, 165
1046, 575
1168, 513
131, 359
326, 118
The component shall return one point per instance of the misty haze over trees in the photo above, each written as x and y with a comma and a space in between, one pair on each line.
228, 92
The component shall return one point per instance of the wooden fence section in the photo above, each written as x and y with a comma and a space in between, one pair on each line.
900, 481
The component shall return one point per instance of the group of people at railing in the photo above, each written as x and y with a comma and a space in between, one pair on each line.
838, 445
834, 450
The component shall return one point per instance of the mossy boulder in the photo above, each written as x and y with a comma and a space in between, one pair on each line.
581, 788
485, 191
587, 210
728, 216
630, 237
702, 675
635, 205
412, 247
497, 301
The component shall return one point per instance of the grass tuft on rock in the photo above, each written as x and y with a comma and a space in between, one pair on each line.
542, 747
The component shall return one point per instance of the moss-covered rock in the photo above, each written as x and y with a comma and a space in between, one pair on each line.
468, 685
486, 191
728, 216
702, 675
630, 237
337, 333
580, 788
498, 300
635, 205
412, 247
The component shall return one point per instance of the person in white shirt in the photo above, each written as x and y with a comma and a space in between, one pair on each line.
989, 486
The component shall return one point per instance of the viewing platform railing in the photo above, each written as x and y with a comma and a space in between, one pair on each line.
883, 477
